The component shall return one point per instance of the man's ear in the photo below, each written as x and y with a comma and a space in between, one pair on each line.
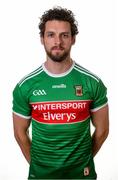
42, 40
73, 40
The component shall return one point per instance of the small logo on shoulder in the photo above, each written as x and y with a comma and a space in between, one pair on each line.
39, 92
78, 90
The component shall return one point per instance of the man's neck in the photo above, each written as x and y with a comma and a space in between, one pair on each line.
58, 67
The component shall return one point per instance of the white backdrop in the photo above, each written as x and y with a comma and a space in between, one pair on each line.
21, 52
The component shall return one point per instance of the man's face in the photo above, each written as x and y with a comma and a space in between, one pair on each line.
57, 40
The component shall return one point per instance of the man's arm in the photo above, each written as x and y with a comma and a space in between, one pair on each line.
100, 120
21, 134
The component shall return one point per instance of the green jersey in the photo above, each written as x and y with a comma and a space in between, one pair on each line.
60, 107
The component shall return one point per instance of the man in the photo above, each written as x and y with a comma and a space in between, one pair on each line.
60, 99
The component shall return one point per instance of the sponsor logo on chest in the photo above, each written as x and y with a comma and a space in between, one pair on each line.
61, 112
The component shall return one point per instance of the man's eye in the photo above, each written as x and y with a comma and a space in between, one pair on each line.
50, 35
65, 35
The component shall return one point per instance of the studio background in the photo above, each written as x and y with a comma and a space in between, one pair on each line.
96, 49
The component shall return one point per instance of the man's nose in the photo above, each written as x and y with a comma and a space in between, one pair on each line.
58, 40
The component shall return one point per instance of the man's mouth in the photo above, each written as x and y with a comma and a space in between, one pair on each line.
58, 48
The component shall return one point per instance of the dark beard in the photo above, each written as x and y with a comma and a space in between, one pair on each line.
57, 58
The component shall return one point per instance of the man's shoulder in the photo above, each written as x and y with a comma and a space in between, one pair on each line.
85, 73
31, 77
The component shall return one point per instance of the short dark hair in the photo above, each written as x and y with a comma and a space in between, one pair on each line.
60, 14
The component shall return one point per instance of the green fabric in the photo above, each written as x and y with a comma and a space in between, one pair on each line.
73, 172
60, 108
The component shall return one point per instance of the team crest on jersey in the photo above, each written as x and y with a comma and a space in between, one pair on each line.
78, 90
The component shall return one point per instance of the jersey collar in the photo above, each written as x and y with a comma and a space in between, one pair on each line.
58, 75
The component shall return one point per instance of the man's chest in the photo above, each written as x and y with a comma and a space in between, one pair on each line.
61, 101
